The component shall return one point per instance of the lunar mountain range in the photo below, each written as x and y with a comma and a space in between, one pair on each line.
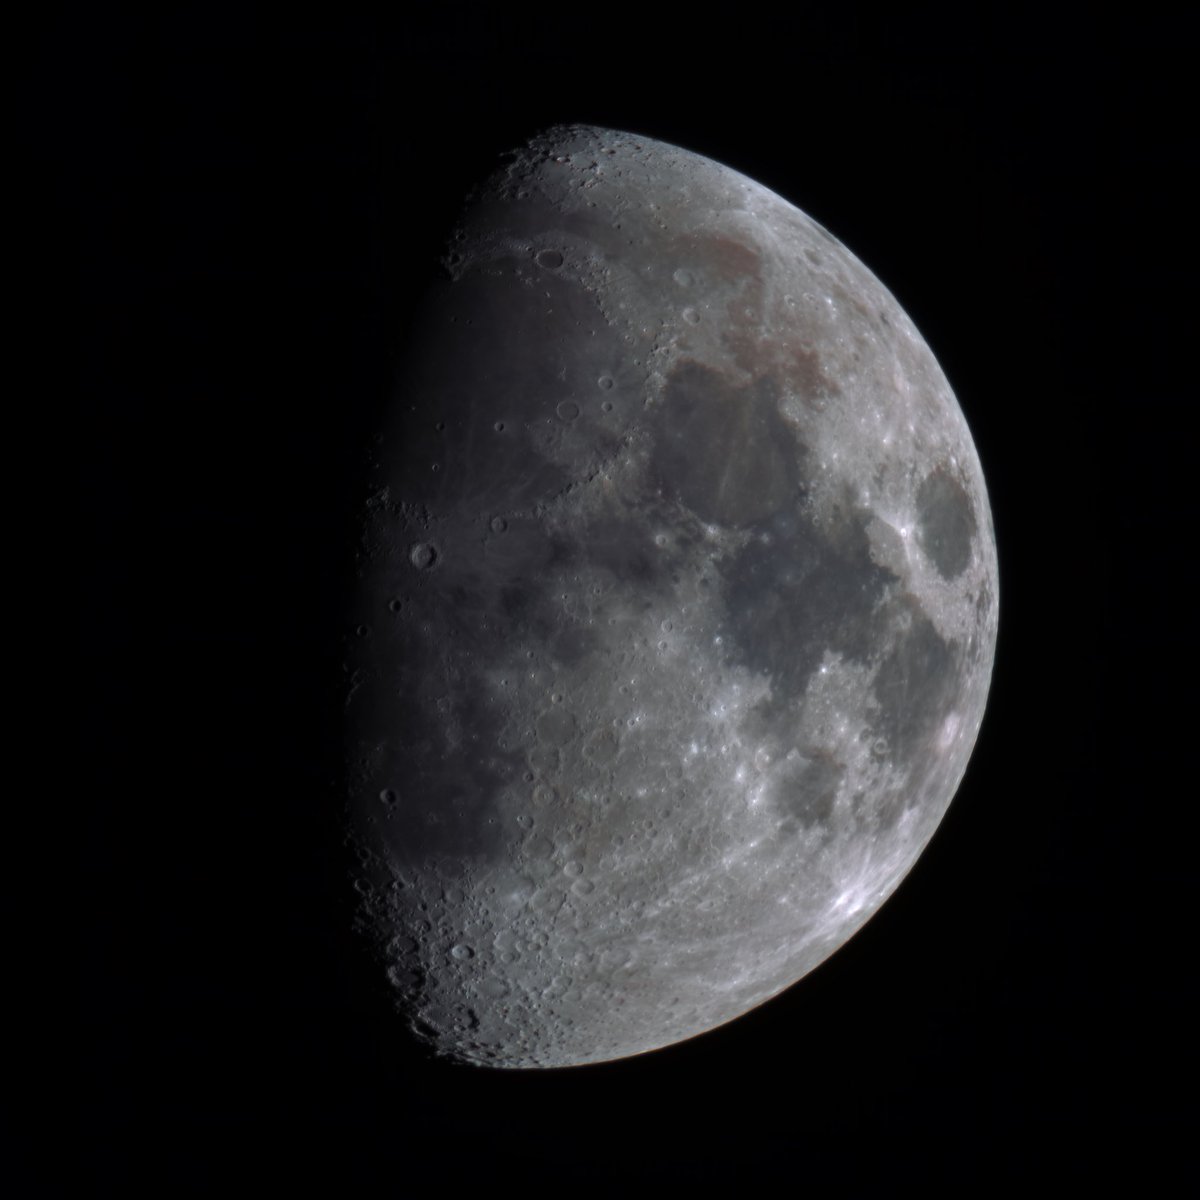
676, 610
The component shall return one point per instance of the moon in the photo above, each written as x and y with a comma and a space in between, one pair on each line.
676, 609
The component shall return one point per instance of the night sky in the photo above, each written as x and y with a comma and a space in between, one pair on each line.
242, 210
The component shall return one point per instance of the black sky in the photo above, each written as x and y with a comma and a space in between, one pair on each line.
241, 208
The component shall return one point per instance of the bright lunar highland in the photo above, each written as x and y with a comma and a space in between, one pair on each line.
676, 610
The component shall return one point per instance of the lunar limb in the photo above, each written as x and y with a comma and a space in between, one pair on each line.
677, 601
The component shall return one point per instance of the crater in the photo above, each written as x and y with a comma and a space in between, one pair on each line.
556, 726
423, 556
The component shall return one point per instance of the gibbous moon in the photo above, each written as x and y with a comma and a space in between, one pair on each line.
677, 610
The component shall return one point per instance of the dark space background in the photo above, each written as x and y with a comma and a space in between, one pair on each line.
242, 208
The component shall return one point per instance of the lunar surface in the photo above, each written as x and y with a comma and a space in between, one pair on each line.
676, 610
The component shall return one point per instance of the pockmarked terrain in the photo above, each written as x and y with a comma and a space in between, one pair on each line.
677, 606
